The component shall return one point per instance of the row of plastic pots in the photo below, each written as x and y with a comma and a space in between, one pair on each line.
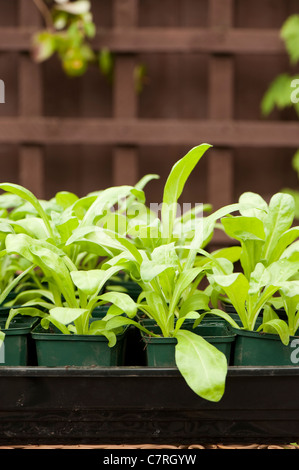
28, 344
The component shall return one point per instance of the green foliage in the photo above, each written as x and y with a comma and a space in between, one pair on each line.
290, 34
69, 31
269, 261
283, 91
279, 95
67, 248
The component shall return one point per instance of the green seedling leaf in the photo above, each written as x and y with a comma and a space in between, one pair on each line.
65, 315
220, 314
89, 281
280, 218
231, 253
33, 226
283, 242
203, 367
104, 201
27, 311
121, 300
45, 323
29, 196
149, 270
279, 326
14, 283
236, 287
253, 205
65, 199
120, 321
95, 240
175, 184
198, 301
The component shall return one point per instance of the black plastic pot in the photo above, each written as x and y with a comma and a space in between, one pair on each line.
135, 405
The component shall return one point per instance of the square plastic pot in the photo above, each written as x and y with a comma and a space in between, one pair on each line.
264, 349
55, 349
17, 348
160, 351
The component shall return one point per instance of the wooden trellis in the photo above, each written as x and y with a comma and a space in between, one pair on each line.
124, 129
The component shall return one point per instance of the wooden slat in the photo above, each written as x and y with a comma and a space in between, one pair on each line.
150, 132
31, 172
221, 106
161, 40
125, 159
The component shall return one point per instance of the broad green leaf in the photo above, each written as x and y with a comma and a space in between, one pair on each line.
253, 205
221, 314
27, 311
65, 199
283, 242
165, 254
249, 231
45, 323
149, 270
56, 267
175, 184
123, 301
236, 287
33, 226
14, 283
280, 218
98, 327
279, 326
204, 233
281, 271
67, 315
89, 281
232, 253
119, 321
105, 200
244, 228
198, 301
203, 367
66, 228
269, 313
29, 196
183, 281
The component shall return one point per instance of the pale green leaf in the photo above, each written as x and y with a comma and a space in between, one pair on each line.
203, 367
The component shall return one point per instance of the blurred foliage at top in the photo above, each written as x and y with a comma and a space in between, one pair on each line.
283, 92
69, 29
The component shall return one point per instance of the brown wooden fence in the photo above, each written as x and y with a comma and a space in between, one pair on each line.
208, 64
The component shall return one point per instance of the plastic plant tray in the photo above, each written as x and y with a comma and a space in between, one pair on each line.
102, 405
